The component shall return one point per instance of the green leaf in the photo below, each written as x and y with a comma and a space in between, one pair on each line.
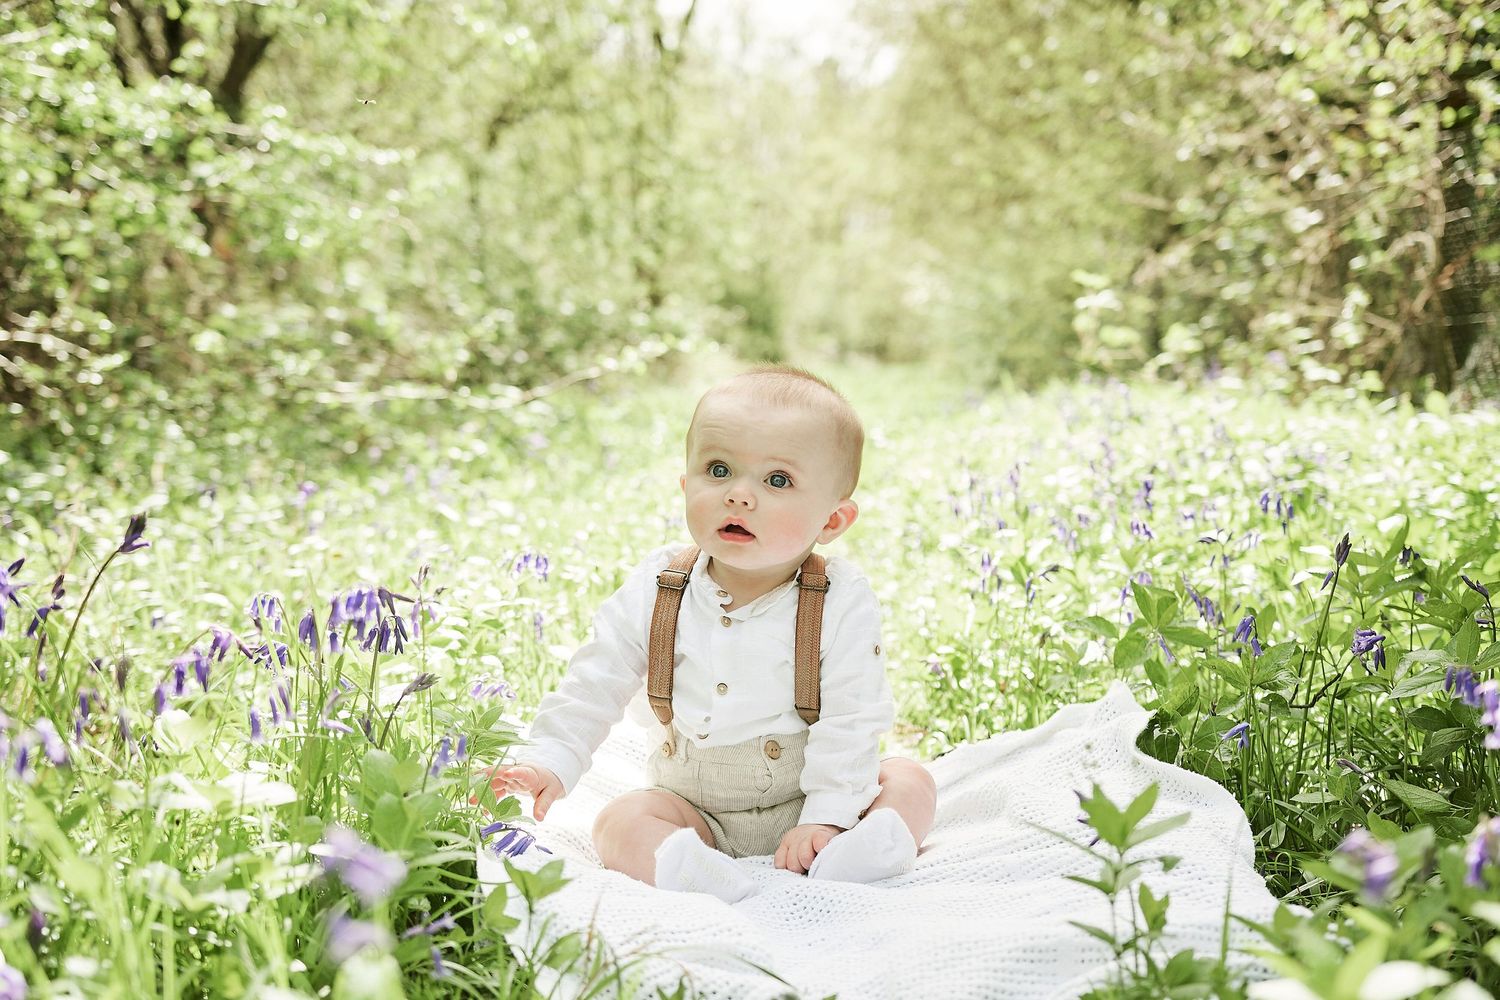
1187, 635
1141, 806
1153, 909
1422, 801
1153, 830
1095, 625
1425, 682
1234, 673
493, 910
537, 885
1465, 644
1443, 743
1105, 818
1130, 651
1092, 931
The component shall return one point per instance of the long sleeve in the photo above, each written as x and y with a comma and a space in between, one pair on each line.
601, 678
842, 770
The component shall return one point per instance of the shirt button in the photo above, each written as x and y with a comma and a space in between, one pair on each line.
773, 749
726, 621
723, 593
703, 736
722, 688
877, 649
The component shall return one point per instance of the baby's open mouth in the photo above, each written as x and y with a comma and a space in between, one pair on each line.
735, 529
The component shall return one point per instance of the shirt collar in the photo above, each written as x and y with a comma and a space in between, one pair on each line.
705, 587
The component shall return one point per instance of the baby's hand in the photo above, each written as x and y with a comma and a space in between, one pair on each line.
802, 843
542, 785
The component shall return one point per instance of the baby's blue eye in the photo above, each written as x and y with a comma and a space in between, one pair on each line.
779, 480
718, 470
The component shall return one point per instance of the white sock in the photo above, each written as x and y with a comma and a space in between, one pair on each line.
684, 863
880, 846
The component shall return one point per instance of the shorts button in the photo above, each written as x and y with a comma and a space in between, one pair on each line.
666, 749
722, 688
773, 749
726, 621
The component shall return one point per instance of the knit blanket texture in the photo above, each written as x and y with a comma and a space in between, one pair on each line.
984, 914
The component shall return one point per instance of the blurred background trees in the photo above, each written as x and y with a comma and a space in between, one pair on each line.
220, 214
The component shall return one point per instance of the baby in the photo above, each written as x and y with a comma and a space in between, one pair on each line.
773, 456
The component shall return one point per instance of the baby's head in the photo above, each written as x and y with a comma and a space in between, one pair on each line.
773, 457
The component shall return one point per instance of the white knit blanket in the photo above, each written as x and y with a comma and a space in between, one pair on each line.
984, 914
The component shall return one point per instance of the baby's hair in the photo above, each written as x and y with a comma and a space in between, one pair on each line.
788, 385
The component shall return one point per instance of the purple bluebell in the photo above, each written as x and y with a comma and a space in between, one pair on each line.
222, 640
1245, 629
40, 616
1165, 651
513, 843
126, 735
1240, 733
22, 765
1483, 851
1406, 555
1462, 684
372, 873
538, 620
36, 930
1255, 647
263, 606
257, 735
1475, 586
1367, 640
1340, 556
421, 682
442, 923
335, 725
1141, 529
159, 699
133, 532
201, 665
1349, 765
12, 983
1265, 501
462, 751
442, 758
347, 937
52, 744
1488, 695
305, 490
1143, 495
439, 970
1377, 860
307, 632
8, 587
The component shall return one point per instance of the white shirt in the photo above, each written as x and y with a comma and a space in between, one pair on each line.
733, 682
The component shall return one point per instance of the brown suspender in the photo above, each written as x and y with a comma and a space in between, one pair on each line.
812, 584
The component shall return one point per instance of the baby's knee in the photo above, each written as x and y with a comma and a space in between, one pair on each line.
619, 814
908, 776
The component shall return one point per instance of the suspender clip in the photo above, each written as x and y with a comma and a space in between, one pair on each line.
672, 579
813, 581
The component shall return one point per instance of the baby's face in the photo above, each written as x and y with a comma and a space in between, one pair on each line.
761, 484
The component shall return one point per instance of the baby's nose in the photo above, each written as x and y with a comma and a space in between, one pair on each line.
738, 495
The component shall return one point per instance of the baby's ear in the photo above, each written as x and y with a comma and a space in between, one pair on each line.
844, 515
682, 482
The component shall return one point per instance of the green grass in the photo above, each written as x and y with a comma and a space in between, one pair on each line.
997, 530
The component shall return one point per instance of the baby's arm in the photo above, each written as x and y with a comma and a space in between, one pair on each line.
575, 717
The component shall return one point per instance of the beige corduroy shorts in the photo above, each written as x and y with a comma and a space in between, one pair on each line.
749, 794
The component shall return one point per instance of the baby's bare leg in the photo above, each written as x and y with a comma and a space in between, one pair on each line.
628, 831
906, 787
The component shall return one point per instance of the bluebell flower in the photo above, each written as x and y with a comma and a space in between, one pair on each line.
307, 631
51, 742
347, 937
12, 983
371, 873
1461, 683
222, 640
264, 606
514, 842
439, 970
442, 758
256, 733
1240, 733
1377, 860
1483, 850
1476, 586
1141, 529
133, 532
1488, 696
442, 923
8, 587
1367, 640
1245, 629
335, 725
159, 699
